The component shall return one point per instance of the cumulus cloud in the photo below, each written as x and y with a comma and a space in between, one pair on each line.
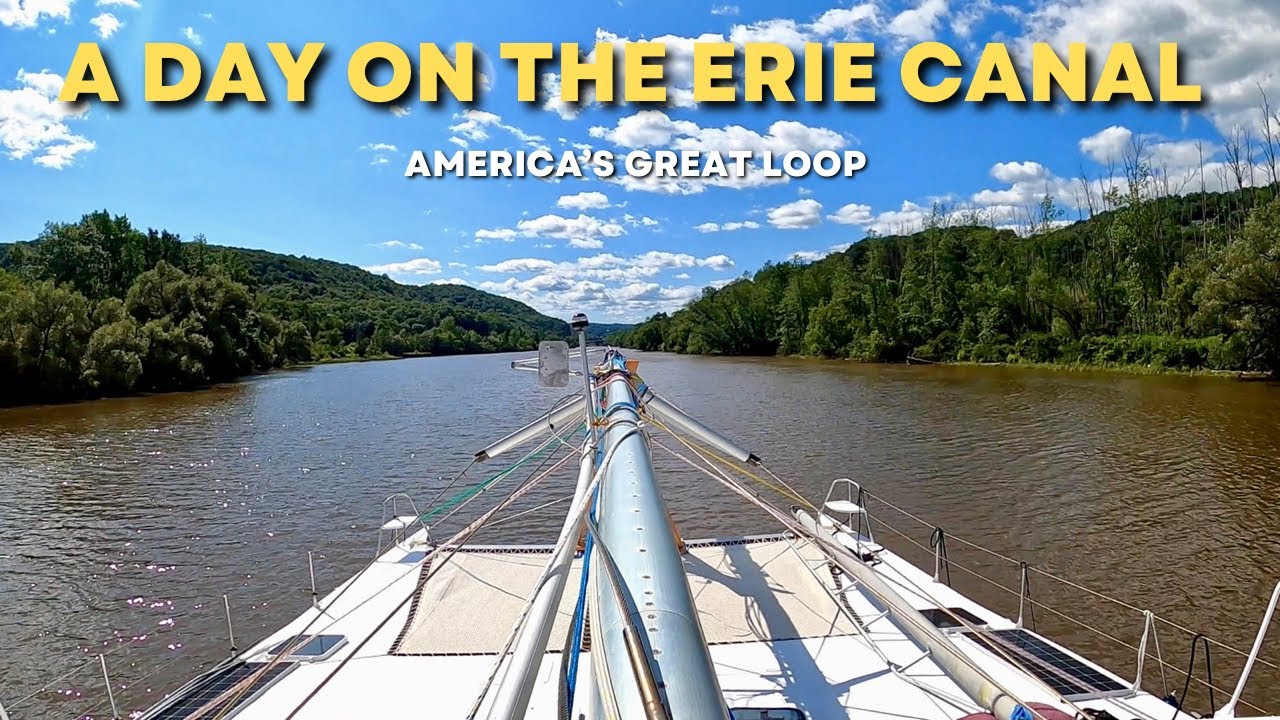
581, 231
583, 201
191, 35
710, 227
654, 128
920, 22
798, 215
725, 10
34, 124
852, 214
475, 126
1107, 145
399, 110
107, 25
399, 244
415, 271
131, 4
608, 285
639, 220
1230, 71
503, 234
28, 14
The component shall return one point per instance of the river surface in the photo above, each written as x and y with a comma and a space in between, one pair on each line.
124, 522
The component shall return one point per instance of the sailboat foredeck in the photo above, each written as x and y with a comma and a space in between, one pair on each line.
767, 604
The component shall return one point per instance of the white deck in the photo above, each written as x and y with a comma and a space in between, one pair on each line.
776, 637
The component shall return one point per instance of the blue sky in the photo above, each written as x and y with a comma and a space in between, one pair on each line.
325, 179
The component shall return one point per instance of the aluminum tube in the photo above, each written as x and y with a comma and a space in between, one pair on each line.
633, 524
566, 415
673, 415
942, 651
526, 657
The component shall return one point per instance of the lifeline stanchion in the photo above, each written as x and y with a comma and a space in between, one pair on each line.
111, 696
311, 568
231, 633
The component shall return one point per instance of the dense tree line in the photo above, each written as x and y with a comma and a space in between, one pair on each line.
1167, 281
98, 308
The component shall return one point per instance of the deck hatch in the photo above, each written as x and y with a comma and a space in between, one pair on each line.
219, 691
766, 714
1060, 670
318, 647
945, 620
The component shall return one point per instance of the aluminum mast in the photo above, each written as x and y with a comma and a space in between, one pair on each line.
633, 524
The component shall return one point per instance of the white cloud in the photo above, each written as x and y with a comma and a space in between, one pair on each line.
581, 231
852, 214
378, 147
107, 24
846, 23
459, 142
33, 122
20, 14
920, 22
503, 234
1107, 145
710, 227
583, 201
399, 111
131, 4
607, 285
725, 10
474, 125
1227, 46
909, 218
399, 244
191, 35
798, 215
413, 271
207, 16
639, 220
654, 128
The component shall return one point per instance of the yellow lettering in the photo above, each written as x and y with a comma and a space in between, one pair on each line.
1047, 68
918, 56
88, 60
846, 69
637, 71
1170, 90
995, 76
459, 77
574, 72
235, 61
295, 71
1122, 60
153, 60
757, 77
358, 72
526, 56
706, 70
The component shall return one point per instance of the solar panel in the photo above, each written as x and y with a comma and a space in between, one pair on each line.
220, 693
1065, 673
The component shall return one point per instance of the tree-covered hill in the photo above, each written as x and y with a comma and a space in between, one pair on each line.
98, 308
1156, 280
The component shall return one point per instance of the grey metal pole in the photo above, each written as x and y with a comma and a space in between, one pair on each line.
115, 712
579, 324
231, 634
311, 567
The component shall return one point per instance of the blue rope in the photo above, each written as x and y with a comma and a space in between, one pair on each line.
579, 610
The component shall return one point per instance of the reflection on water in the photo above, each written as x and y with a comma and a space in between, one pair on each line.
125, 521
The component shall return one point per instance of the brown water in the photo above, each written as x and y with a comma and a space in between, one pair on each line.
125, 521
